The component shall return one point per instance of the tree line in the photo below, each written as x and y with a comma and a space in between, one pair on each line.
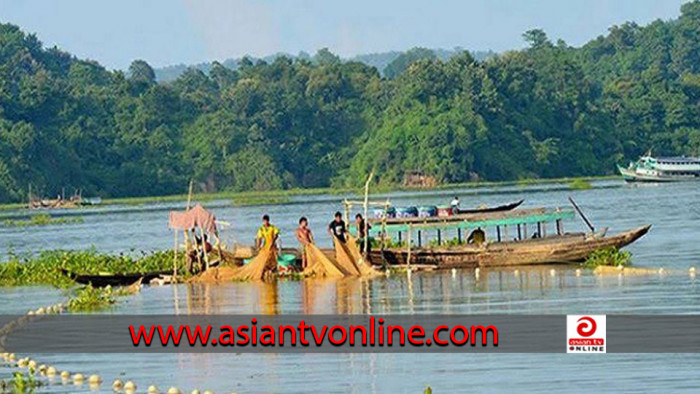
549, 110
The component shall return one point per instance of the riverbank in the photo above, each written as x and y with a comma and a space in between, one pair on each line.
251, 198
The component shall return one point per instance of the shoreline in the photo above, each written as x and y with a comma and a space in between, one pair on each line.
251, 198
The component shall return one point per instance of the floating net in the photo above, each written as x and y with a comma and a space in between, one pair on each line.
363, 267
319, 265
260, 267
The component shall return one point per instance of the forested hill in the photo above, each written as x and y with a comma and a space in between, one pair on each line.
547, 111
385, 62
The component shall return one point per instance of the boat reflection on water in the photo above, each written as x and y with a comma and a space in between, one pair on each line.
443, 291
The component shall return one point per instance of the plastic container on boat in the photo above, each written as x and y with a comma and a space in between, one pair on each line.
406, 212
427, 211
444, 210
286, 260
378, 213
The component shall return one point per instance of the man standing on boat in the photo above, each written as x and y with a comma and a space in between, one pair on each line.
455, 205
267, 234
362, 234
305, 237
337, 227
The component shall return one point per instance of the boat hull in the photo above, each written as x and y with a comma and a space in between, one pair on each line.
633, 176
114, 279
568, 248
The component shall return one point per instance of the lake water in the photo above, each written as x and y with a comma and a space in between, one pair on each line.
672, 243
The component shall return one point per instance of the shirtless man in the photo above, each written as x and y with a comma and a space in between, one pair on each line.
305, 237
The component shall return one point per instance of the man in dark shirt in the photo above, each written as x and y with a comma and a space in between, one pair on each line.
360, 222
337, 227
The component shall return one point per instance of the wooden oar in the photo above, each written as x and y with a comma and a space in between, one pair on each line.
585, 219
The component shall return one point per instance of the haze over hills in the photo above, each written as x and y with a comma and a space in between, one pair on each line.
377, 60
548, 110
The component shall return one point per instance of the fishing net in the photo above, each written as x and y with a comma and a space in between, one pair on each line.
319, 265
344, 257
215, 275
364, 267
260, 267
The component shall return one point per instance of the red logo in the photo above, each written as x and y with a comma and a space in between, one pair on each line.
587, 327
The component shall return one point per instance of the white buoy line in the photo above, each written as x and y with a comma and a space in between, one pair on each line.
94, 380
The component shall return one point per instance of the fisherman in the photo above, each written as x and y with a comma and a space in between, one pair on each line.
477, 237
455, 205
362, 234
337, 227
305, 237
267, 233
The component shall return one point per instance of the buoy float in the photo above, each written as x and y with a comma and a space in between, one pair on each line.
578, 271
40, 311
174, 390
552, 272
51, 371
95, 379
78, 378
31, 364
152, 389
130, 386
454, 272
22, 363
208, 392
42, 369
661, 271
11, 357
65, 375
195, 391
516, 272
117, 385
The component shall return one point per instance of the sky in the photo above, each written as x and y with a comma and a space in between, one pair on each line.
167, 32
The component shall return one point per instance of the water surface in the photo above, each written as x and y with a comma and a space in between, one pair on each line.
672, 244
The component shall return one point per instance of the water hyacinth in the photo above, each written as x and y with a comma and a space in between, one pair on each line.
44, 268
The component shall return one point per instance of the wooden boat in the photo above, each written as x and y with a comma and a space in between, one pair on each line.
114, 279
500, 208
442, 216
501, 249
567, 248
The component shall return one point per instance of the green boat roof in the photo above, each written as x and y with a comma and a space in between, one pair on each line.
484, 220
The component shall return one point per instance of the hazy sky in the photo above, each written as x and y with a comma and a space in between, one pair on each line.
166, 32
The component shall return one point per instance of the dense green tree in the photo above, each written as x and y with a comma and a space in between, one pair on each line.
281, 122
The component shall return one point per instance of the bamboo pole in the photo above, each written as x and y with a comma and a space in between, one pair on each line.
189, 195
347, 207
408, 243
366, 205
175, 254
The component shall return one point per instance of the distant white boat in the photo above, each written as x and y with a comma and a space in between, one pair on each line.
662, 169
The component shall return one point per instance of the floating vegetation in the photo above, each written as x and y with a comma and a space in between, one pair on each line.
41, 220
580, 184
89, 299
445, 242
608, 257
20, 383
45, 268
259, 200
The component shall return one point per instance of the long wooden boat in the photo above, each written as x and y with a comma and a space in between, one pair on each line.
113, 279
517, 238
500, 208
461, 216
566, 248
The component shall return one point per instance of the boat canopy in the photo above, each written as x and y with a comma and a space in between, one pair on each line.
493, 219
195, 217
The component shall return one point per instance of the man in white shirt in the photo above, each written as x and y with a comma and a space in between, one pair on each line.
455, 205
